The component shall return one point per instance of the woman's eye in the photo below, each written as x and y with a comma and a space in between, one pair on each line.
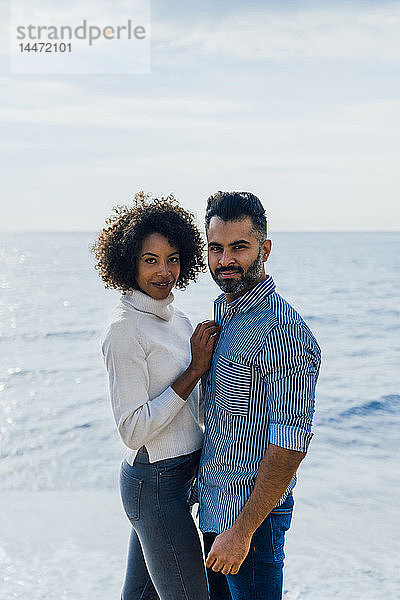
174, 259
150, 261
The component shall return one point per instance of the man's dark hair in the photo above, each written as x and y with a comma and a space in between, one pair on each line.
235, 206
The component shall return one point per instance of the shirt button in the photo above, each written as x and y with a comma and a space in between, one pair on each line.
230, 364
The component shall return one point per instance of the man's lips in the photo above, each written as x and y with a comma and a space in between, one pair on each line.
228, 274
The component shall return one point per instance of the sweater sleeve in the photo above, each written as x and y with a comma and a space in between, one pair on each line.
138, 417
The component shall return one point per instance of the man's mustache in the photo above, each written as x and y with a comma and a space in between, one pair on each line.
228, 270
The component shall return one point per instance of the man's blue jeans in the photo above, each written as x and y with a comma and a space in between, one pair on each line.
261, 575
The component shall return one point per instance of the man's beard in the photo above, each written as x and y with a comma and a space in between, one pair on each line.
246, 281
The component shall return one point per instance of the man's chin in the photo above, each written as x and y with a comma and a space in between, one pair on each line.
229, 286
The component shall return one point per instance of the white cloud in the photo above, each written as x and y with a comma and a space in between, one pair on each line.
127, 113
355, 32
66, 105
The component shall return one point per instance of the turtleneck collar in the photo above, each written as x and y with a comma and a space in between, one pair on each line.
147, 304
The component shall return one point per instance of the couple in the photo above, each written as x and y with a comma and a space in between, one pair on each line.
258, 363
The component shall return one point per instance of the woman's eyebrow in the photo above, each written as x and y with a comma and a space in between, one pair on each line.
156, 255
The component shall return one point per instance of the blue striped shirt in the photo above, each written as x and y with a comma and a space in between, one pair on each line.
260, 390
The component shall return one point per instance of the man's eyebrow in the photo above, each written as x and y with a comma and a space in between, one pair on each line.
235, 243
239, 242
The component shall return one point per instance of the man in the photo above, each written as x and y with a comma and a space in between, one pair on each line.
259, 404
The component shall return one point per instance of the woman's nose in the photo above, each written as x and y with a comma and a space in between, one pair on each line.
164, 268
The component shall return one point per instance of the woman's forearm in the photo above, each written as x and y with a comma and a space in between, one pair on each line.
186, 382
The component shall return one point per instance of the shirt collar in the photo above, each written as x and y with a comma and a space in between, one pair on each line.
249, 299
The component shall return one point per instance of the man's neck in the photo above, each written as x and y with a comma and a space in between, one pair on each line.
232, 297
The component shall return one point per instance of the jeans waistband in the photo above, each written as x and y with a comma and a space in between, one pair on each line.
142, 456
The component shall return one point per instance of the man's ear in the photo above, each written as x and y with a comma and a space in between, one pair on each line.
266, 248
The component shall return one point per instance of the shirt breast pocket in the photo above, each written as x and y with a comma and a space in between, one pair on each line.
232, 386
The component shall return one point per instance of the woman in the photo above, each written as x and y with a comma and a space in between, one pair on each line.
153, 374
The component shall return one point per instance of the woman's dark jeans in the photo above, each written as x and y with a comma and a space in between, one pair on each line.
164, 550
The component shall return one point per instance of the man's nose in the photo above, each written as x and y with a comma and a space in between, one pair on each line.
226, 259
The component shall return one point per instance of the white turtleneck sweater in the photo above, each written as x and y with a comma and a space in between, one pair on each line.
146, 347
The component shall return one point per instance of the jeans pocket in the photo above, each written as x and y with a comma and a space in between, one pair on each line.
280, 519
131, 489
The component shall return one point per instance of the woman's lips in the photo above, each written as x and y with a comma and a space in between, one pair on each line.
162, 285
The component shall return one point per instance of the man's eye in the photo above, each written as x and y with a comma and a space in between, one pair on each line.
215, 248
238, 247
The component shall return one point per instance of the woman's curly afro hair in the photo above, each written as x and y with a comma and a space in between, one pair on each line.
118, 245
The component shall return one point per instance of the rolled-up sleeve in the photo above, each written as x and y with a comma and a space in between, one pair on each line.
138, 417
290, 362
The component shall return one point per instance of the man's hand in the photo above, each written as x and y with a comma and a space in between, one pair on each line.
228, 551
276, 471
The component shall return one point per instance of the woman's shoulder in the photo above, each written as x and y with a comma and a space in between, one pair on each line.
182, 317
123, 322
124, 312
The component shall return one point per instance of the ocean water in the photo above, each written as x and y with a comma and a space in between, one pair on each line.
63, 534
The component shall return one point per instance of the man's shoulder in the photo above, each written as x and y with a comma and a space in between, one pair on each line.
290, 332
287, 317
283, 311
274, 311
277, 323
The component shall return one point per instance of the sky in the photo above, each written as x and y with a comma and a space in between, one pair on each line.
297, 102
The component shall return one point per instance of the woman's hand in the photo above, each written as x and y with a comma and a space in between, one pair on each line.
202, 344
